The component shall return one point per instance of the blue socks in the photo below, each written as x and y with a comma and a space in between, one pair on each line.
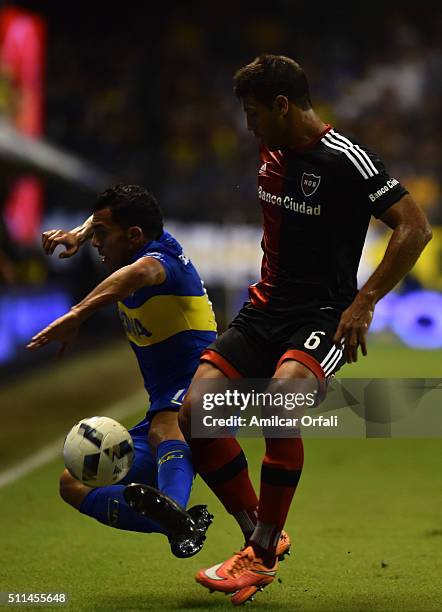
175, 470
107, 505
175, 477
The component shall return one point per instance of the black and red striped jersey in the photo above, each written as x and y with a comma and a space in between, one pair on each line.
317, 203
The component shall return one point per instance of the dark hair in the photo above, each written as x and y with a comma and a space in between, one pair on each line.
132, 205
269, 76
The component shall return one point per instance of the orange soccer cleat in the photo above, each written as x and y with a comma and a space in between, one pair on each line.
284, 546
242, 576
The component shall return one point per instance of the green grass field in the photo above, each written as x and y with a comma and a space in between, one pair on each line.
366, 521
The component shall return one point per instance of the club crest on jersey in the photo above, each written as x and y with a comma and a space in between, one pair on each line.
309, 183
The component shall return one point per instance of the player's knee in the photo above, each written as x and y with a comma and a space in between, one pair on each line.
65, 486
155, 437
71, 490
293, 376
164, 426
194, 395
293, 369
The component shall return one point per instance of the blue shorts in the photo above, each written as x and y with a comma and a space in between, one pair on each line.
170, 399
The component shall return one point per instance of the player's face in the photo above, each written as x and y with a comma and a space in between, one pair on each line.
266, 123
110, 240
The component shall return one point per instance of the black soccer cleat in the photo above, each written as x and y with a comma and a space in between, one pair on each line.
186, 530
183, 547
161, 508
201, 516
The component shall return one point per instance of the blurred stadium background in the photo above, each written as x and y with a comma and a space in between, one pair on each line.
90, 98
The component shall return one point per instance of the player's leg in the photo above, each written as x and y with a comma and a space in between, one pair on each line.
174, 459
165, 502
220, 461
107, 504
72, 491
280, 473
255, 566
308, 354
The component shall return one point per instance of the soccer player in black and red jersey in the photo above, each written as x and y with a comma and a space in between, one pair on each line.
306, 317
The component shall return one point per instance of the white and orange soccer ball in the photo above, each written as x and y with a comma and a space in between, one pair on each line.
98, 451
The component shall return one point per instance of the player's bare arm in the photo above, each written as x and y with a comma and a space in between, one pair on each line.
146, 271
411, 232
71, 239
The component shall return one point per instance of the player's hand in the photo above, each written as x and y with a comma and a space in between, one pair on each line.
52, 238
63, 330
353, 327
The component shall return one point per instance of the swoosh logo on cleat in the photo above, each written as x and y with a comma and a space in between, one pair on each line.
211, 572
265, 573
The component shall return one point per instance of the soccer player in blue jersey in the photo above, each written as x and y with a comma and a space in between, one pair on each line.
169, 321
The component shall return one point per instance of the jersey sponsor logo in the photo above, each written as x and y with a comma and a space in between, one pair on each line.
162, 316
289, 203
133, 326
309, 183
263, 168
390, 184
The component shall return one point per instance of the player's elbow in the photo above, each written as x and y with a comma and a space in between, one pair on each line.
425, 233
421, 231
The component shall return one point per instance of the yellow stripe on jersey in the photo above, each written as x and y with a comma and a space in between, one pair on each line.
163, 316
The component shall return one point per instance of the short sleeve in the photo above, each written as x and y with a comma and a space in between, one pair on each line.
374, 186
164, 259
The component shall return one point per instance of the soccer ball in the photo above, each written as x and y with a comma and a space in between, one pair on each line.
98, 451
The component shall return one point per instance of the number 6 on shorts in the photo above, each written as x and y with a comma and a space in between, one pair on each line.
313, 340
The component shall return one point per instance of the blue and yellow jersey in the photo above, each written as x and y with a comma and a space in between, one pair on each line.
168, 325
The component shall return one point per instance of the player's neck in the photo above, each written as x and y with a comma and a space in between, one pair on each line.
305, 127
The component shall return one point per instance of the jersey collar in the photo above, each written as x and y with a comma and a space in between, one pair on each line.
311, 143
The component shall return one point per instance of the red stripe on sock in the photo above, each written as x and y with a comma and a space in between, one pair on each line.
212, 454
235, 494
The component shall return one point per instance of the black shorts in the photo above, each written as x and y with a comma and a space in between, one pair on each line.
257, 342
